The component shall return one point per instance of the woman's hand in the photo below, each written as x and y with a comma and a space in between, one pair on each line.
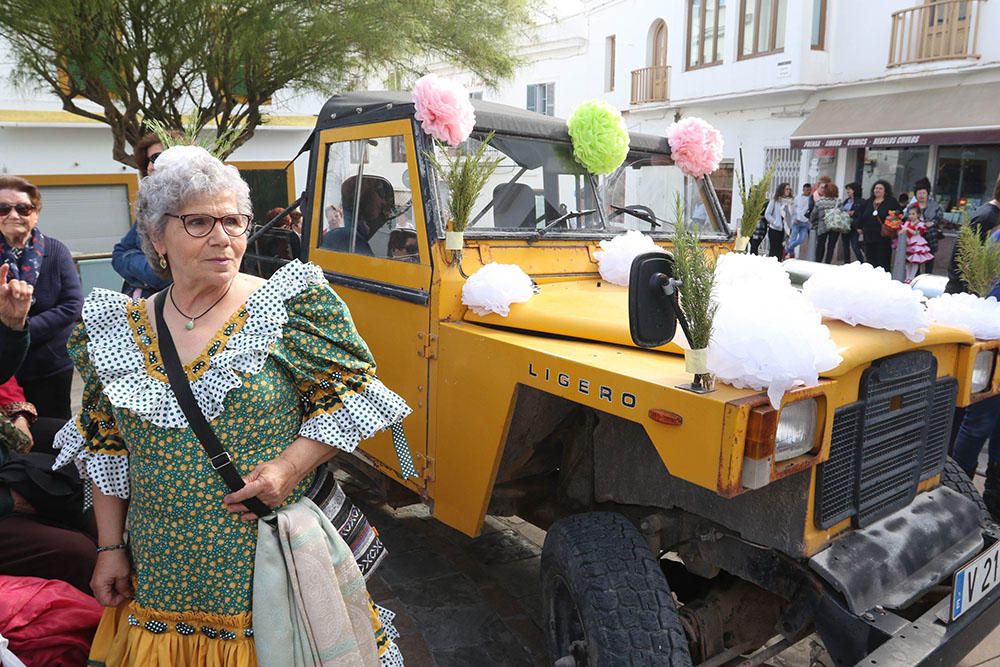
112, 580
15, 300
21, 423
271, 482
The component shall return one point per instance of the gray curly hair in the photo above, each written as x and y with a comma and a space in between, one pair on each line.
182, 173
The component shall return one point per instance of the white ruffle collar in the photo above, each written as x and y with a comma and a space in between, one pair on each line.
121, 367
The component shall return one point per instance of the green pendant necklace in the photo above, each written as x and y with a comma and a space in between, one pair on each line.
189, 325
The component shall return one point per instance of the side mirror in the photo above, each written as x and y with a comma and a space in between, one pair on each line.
652, 312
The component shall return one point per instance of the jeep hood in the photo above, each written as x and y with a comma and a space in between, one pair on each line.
595, 310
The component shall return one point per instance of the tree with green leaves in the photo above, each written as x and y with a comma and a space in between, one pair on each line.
216, 63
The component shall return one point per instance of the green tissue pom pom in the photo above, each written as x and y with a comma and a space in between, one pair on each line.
600, 137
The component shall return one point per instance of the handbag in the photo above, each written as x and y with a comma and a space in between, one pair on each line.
303, 620
837, 221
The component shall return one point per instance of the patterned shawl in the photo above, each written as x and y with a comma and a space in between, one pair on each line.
27, 266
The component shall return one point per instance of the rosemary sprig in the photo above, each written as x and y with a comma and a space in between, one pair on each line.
695, 269
465, 176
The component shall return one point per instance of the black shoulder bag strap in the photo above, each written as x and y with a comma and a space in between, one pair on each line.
217, 454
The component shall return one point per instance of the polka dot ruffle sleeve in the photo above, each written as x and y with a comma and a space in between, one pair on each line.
91, 440
343, 401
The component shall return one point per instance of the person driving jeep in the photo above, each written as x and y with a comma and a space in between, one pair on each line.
376, 205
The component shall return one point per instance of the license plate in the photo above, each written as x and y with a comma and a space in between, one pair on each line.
975, 580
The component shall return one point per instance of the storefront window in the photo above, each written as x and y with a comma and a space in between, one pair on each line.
965, 175
901, 167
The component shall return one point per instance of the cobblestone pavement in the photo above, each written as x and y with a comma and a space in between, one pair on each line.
458, 601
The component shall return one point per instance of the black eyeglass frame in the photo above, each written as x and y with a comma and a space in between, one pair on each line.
22, 209
215, 220
151, 159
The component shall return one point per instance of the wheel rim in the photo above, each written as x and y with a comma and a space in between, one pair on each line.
565, 624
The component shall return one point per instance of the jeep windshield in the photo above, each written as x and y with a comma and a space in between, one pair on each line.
540, 190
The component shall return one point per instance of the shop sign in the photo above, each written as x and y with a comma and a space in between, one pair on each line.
984, 136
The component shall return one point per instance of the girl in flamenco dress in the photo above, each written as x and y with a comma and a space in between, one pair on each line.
917, 250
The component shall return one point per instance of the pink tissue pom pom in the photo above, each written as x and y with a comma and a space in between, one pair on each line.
695, 146
443, 109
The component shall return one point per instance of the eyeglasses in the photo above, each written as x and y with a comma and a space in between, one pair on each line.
22, 209
150, 159
200, 225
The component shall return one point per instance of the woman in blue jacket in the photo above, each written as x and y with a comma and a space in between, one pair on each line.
127, 258
45, 263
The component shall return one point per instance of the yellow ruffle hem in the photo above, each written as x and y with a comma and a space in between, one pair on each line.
133, 636
130, 635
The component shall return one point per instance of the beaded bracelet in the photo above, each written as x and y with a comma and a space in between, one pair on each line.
112, 547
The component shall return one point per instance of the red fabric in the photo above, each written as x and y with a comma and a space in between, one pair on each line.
49, 623
10, 392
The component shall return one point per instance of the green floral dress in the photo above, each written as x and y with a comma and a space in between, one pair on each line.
288, 363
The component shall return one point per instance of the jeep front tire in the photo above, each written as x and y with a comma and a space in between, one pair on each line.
605, 599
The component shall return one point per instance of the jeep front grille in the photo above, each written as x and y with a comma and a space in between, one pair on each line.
883, 445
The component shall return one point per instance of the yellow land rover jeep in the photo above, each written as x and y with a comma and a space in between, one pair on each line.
682, 527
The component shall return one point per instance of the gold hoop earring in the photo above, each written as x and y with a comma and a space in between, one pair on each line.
163, 261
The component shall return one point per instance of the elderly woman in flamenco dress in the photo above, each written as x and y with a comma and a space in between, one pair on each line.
281, 375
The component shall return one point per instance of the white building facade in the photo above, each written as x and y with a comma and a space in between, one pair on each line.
857, 91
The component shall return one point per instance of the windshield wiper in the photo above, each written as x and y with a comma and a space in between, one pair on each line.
568, 215
641, 212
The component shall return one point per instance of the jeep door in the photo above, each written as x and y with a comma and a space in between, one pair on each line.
367, 231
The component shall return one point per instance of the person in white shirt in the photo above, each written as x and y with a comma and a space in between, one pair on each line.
800, 228
780, 218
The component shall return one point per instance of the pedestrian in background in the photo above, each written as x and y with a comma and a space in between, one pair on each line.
800, 228
826, 202
984, 221
933, 216
127, 257
878, 248
981, 420
780, 218
45, 263
917, 251
852, 206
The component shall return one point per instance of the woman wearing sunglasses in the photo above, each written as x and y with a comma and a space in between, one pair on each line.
45, 263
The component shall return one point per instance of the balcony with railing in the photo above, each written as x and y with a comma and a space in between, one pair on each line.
651, 84
941, 30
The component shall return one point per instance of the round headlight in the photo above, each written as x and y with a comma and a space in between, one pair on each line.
796, 429
982, 371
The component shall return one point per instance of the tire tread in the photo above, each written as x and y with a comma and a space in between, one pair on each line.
614, 577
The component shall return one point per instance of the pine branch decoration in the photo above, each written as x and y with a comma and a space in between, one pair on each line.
696, 271
754, 198
978, 260
190, 135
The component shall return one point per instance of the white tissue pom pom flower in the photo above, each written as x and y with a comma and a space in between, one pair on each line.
493, 288
968, 311
614, 259
863, 294
766, 334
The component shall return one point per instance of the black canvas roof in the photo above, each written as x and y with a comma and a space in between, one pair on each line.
375, 106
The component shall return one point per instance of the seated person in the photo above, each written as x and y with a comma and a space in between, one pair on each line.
403, 245
334, 220
43, 528
291, 220
377, 204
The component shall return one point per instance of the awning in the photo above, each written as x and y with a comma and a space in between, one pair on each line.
959, 115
